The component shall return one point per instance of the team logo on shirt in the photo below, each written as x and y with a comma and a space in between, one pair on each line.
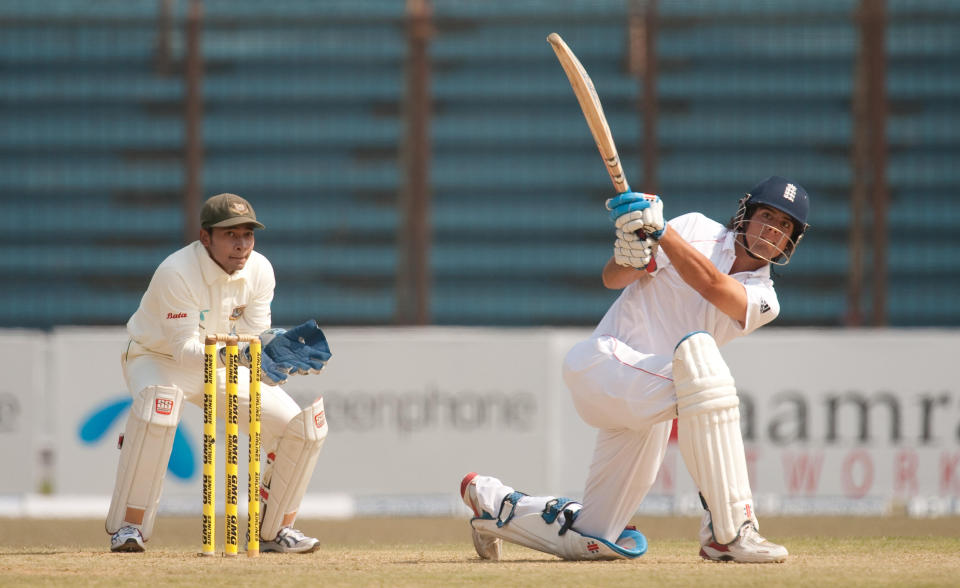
764, 307
237, 312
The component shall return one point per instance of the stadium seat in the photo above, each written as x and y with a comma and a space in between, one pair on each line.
304, 106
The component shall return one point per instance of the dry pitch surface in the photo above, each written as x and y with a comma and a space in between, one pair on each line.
836, 551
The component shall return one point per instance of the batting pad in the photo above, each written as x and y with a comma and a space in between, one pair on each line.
709, 436
290, 468
550, 530
144, 454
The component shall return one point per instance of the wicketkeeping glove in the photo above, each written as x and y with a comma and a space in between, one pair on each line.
634, 211
270, 373
301, 350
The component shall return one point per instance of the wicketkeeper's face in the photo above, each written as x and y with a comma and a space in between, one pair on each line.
230, 247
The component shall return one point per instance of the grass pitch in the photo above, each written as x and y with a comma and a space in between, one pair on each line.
835, 551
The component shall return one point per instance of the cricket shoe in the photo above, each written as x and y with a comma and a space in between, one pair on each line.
749, 546
128, 539
487, 546
290, 540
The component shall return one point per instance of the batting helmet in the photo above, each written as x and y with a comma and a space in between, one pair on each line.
784, 195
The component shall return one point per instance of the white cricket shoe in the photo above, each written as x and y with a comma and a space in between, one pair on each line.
290, 540
487, 546
127, 539
749, 546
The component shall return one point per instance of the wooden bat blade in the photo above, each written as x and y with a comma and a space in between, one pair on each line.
586, 95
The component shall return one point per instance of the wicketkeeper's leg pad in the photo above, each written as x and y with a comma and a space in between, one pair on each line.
289, 469
144, 453
709, 436
551, 530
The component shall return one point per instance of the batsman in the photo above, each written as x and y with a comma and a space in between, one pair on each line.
689, 286
217, 284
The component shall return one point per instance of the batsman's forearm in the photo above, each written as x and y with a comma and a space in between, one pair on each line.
618, 277
700, 274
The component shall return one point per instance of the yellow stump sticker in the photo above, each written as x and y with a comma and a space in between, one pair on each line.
209, 445
231, 531
253, 457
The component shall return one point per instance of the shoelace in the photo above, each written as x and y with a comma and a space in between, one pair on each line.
751, 535
292, 535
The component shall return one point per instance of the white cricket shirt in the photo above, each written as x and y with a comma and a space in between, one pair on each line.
190, 296
652, 315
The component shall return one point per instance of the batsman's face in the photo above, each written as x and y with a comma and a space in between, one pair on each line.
767, 232
230, 247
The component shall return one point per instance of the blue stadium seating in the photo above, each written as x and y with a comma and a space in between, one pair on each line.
88, 261
572, 11
299, 10
304, 106
89, 220
721, 42
754, 9
45, 305
102, 11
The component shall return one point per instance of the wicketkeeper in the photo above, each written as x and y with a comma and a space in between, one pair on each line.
689, 286
215, 285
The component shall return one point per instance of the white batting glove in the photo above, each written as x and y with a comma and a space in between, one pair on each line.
631, 251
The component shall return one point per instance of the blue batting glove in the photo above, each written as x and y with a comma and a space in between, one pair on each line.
628, 202
636, 212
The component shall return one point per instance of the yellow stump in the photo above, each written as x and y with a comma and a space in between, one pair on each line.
209, 445
253, 458
231, 518
231, 538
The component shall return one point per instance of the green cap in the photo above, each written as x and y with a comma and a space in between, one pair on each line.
227, 210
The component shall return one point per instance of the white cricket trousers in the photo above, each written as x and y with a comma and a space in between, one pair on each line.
277, 407
629, 397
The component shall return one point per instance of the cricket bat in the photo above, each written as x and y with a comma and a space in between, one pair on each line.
592, 110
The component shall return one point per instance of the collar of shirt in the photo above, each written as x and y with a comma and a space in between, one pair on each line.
728, 251
212, 272
729, 242
729, 248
